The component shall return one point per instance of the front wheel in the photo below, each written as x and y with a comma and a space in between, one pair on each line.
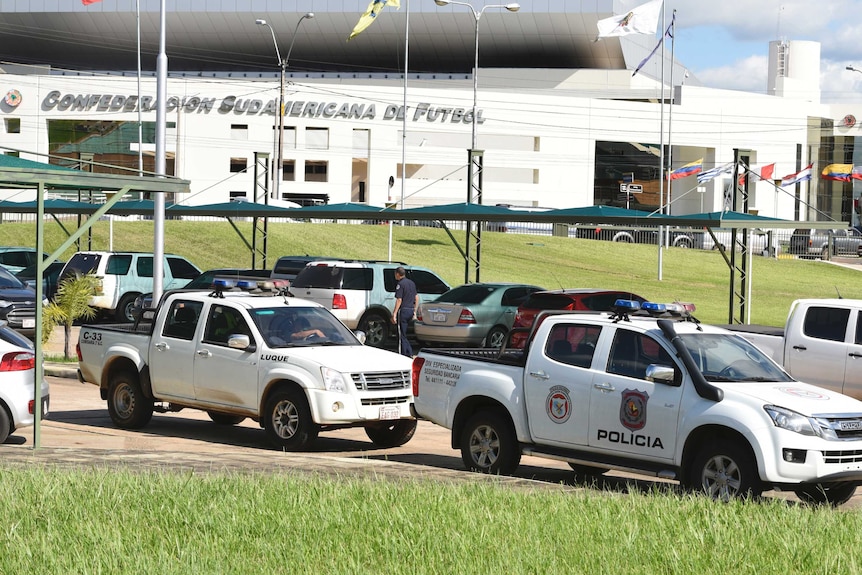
391, 434
5, 425
225, 418
376, 329
288, 420
128, 407
496, 337
724, 471
834, 494
489, 445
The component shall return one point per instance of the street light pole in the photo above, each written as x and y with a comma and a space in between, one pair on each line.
279, 147
475, 156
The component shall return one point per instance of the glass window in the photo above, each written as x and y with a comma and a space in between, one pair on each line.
826, 323
119, 265
316, 171
859, 328
238, 165
13, 125
573, 344
239, 131
182, 319
633, 352
224, 322
288, 172
317, 138
145, 267
426, 282
182, 269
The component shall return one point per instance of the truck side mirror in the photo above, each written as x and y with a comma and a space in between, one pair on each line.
660, 374
240, 341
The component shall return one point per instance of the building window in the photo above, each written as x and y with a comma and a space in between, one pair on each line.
289, 138
13, 125
316, 171
238, 196
238, 165
15, 154
239, 131
317, 138
288, 170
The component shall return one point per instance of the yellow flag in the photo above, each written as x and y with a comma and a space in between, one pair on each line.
371, 13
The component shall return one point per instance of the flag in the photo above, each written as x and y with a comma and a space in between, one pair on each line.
762, 171
802, 176
842, 172
686, 170
371, 13
668, 33
708, 175
88, 2
641, 19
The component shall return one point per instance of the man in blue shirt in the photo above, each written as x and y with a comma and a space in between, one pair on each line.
406, 301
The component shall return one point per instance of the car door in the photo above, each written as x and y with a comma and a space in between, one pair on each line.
225, 376
853, 365
512, 297
557, 383
628, 413
172, 351
817, 350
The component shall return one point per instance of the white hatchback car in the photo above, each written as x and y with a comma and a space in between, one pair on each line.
17, 377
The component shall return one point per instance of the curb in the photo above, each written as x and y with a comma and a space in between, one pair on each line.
67, 370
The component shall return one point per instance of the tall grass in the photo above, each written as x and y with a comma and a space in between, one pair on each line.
551, 262
108, 521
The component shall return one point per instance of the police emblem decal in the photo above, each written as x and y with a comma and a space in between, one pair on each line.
558, 405
633, 409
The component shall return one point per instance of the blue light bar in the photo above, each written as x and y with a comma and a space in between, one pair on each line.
652, 307
627, 305
246, 284
223, 283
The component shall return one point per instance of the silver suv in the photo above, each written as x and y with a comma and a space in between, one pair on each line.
362, 293
823, 243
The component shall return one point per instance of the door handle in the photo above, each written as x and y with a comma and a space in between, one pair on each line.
161, 346
800, 347
856, 354
540, 375
604, 387
204, 353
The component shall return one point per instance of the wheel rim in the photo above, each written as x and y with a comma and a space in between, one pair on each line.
484, 446
285, 419
374, 333
124, 400
495, 338
721, 478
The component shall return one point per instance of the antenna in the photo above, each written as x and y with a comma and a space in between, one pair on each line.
838, 292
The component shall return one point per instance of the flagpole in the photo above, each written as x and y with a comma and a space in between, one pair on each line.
661, 150
670, 117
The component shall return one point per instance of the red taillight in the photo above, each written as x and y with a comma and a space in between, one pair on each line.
418, 362
78, 352
339, 301
519, 319
419, 314
466, 317
18, 361
31, 406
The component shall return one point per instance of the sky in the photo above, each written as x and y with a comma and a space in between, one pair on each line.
725, 44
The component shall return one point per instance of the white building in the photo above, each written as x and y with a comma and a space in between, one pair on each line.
556, 136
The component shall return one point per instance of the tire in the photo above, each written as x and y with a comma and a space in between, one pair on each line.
5, 425
125, 309
391, 434
225, 418
587, 469
684, 243
496, 337
834, 494
288, 422
724, 470
824, 253
128, 407
489, 445
376, 328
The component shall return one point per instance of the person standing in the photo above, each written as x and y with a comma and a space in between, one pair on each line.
406, 300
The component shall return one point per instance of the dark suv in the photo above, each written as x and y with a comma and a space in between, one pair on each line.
17, 304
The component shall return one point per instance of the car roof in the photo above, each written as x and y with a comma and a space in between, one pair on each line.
581, 291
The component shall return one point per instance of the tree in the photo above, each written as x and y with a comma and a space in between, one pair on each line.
71, 302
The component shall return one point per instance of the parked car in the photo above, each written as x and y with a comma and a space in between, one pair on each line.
479, 314
15, 259
286, 267
816, 243
17, 304
50, 280
361, 293
17, 374
123, 276
203, 281
579, 299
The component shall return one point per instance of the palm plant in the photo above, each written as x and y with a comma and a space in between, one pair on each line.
71, 302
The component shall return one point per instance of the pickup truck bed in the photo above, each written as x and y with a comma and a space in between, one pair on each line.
507, 357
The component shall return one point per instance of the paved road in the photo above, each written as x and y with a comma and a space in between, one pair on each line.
79, 432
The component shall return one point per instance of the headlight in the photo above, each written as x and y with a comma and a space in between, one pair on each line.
5, 303
333, 380
791, 421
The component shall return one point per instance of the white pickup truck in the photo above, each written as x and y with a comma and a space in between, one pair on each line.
821, 343
646, 393
287, 363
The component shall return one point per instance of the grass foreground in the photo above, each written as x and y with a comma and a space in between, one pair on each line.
110, 521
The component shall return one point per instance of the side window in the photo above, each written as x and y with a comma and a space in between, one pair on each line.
426, 282
859, 328
826, 323
632, 353
357, 278
182, 319
144, 267
224, 322
182, 269
119, 265
573, 344
516, 296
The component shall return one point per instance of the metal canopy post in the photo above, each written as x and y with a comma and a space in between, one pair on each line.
740, 263
473, 248
260, 232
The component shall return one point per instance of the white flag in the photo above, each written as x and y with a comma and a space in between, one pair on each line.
641, 19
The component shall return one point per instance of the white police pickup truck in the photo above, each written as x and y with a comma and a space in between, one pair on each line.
649, 391
257, 353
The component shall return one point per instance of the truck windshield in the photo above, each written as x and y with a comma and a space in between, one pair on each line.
729, 357
301, 326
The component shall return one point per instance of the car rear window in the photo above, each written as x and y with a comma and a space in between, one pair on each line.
331, 277
467, 294
548, 301
82, 264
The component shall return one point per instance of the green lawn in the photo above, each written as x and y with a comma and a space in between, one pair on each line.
687, 275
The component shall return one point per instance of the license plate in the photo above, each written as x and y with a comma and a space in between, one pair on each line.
439, 317
28, 322
390, 412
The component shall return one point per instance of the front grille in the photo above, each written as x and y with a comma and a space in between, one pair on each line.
841, 427
842, 457
381, 381
386, 400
